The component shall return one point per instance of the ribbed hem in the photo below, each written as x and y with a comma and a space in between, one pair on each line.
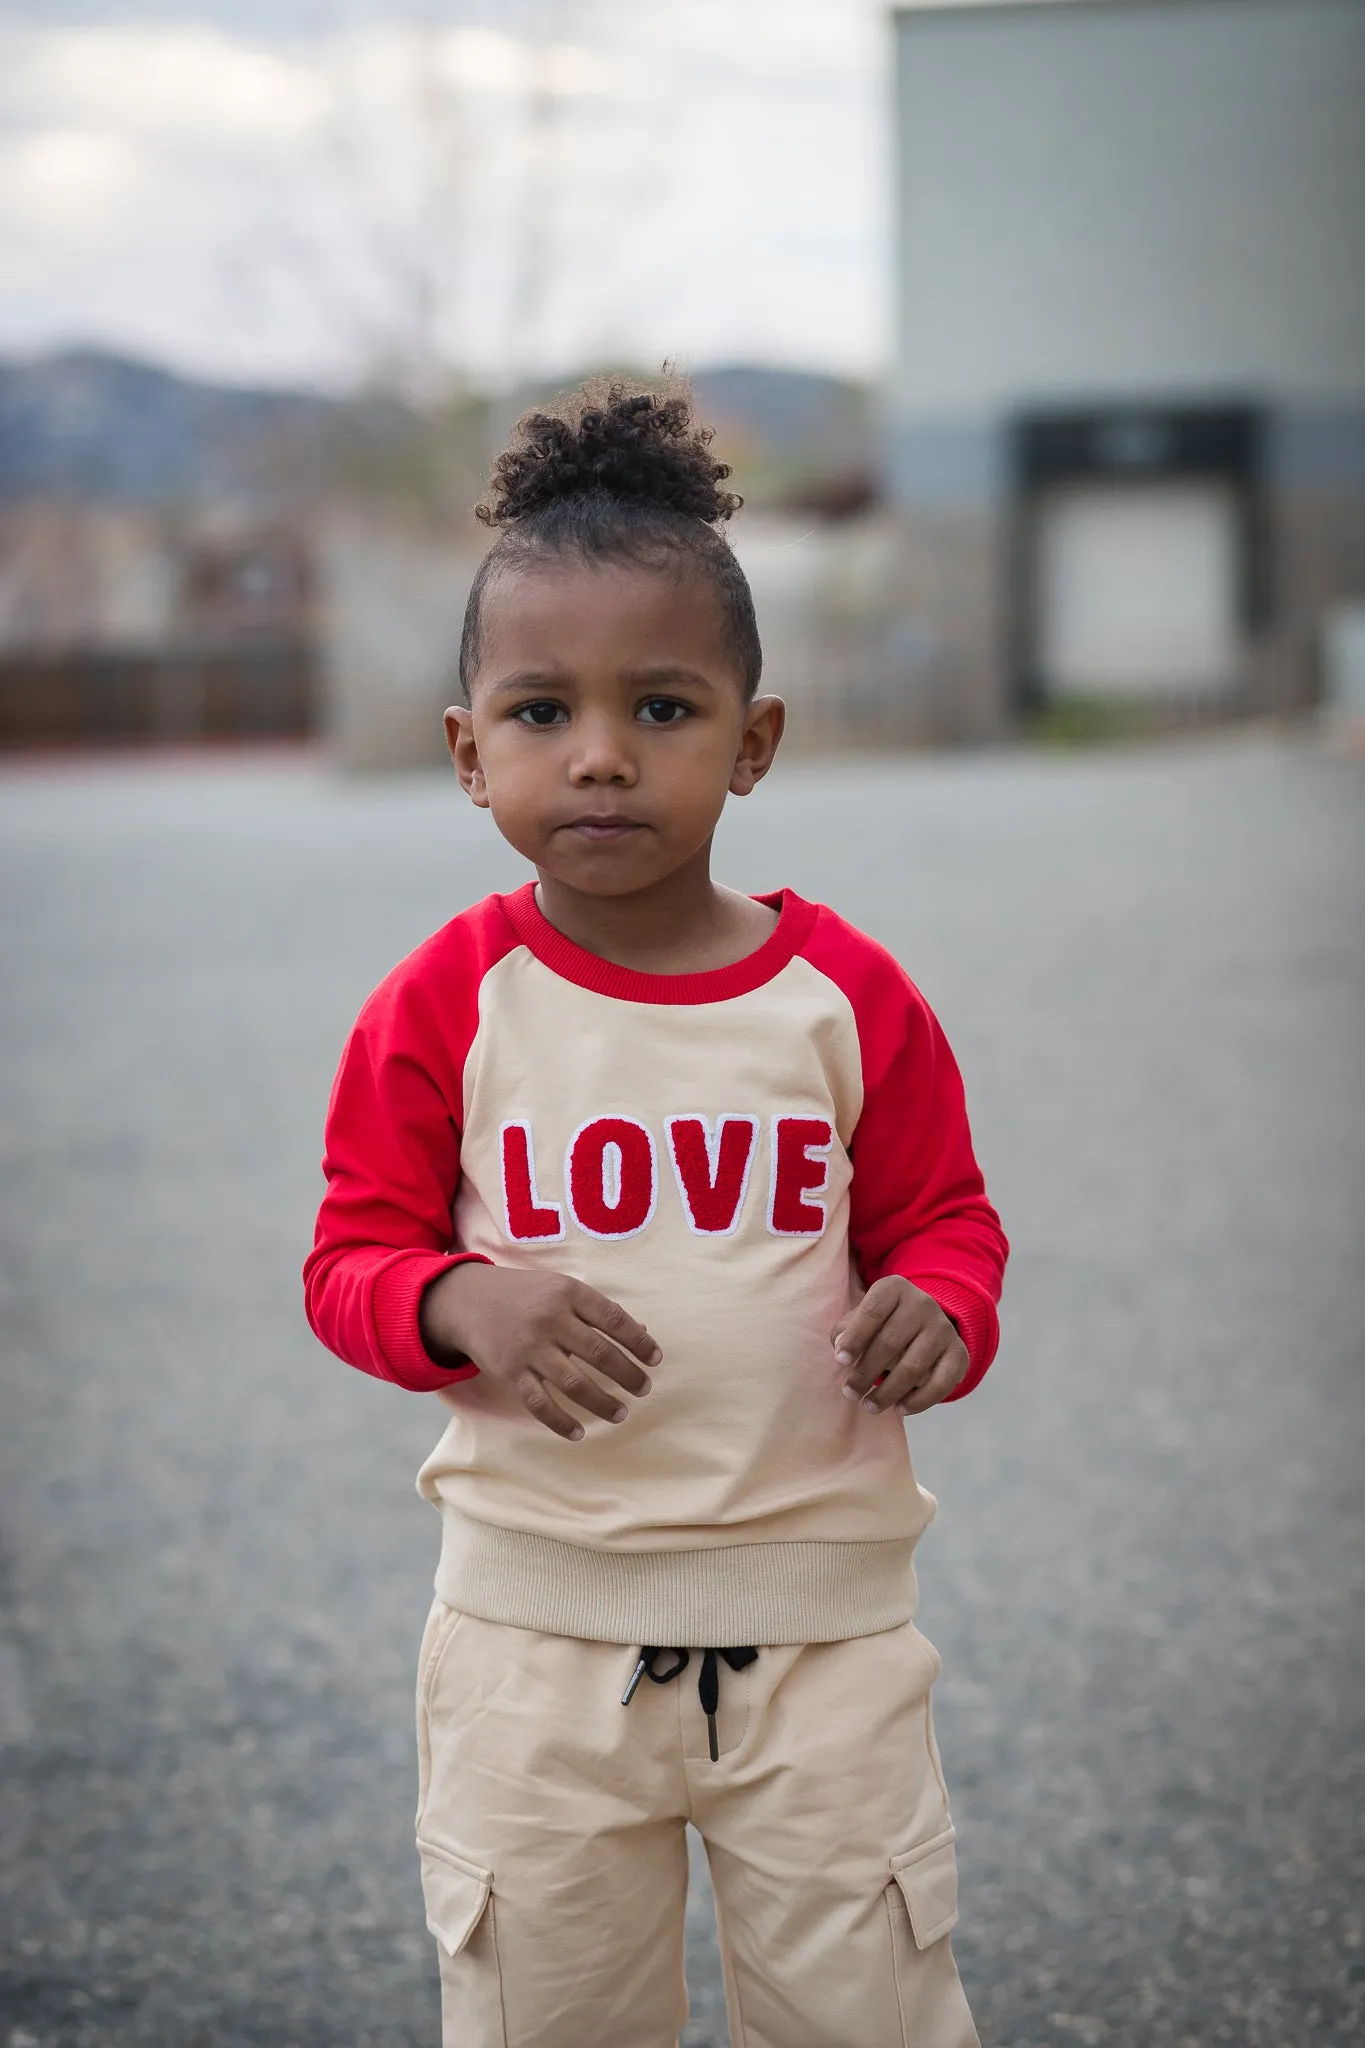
795, 918
720, 1597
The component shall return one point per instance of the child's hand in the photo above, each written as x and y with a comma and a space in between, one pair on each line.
904, 1351
537, 1331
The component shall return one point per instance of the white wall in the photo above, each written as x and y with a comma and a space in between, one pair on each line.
1119, 196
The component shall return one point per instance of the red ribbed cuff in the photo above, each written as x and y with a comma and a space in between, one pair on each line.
396, 1306
976, 1323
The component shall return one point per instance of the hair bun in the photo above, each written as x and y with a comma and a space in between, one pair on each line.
625, 444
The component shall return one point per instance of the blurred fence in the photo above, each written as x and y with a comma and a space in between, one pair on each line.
878, 631
120, 624
111, 695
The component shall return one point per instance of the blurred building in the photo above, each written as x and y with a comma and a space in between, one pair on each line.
1126, 421
123, 624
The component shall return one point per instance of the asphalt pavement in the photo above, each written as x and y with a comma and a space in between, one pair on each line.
1146, 1574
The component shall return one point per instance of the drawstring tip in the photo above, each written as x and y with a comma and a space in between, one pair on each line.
636, 1675
711, 1738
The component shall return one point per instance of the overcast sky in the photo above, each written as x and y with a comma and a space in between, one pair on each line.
288, 190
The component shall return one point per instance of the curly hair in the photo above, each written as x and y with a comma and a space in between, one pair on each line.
614, 474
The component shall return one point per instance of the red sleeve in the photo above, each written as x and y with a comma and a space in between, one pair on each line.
392, 1155
919, 1204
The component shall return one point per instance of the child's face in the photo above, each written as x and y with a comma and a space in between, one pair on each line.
607, 721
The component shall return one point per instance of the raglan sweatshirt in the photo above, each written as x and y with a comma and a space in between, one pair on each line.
732, 1156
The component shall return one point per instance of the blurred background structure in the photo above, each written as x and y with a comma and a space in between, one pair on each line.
1035, 333
1127, 409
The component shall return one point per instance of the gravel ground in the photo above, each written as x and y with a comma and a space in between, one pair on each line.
1146, 1576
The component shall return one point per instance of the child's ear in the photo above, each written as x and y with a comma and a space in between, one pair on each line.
764, 719
464, 752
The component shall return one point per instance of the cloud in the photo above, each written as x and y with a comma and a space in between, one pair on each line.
701, 180
157, 86
75, 182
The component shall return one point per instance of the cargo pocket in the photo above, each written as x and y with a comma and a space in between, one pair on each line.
922, 1902
459, 1903
927, 1877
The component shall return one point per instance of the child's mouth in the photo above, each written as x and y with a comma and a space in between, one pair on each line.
603, 828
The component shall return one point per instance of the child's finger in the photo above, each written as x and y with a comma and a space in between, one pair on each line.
536, 1399
940, 1383
567, 1374
858, 1329
883, 1354
909, 1371
606, 1315
587, 1343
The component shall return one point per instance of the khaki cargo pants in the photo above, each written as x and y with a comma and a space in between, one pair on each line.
551, 1827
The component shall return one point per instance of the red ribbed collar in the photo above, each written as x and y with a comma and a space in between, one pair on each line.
794, 920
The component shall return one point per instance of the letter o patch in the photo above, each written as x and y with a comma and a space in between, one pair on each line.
611, 1176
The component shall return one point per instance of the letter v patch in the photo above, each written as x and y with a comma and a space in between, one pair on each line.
711, 1164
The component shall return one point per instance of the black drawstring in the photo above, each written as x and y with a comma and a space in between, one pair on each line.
708, 1684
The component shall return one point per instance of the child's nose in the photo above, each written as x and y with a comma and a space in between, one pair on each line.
603, 753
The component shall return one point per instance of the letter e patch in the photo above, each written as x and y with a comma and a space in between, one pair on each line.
801, 1148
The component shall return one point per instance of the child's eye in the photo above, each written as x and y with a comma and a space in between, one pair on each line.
544, 712
661, 711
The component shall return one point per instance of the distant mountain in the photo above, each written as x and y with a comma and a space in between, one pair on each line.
91, 424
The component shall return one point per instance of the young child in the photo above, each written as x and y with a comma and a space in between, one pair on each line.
668, 1194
